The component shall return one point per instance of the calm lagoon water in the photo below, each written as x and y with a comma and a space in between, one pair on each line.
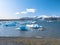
52, 31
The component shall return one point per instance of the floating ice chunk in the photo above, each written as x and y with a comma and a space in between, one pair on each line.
10, 24
22, 28
35, 26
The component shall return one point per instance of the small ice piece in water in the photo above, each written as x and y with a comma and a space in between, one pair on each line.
49, 21
33, 22
42, 28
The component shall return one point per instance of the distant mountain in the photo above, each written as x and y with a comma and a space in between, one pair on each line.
41, 17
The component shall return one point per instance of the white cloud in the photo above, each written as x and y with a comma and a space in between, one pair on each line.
30, 10
23, 12
17, 13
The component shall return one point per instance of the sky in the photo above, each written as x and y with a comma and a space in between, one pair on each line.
12, 9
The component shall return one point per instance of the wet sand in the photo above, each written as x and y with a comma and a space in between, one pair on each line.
28, 41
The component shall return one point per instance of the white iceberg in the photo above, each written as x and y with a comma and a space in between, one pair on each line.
34, 27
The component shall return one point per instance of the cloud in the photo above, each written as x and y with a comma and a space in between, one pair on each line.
17, 13
23, 12
28, 11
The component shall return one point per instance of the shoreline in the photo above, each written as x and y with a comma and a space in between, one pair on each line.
28, 41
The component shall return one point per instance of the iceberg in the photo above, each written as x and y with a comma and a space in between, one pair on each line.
35, 27
22, 28
10, 24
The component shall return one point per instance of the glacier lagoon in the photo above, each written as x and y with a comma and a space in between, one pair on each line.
52, 29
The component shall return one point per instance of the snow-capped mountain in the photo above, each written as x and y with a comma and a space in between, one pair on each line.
44, 17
